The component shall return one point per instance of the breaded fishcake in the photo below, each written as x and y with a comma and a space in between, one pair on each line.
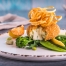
51, 31
40, 33
30, 28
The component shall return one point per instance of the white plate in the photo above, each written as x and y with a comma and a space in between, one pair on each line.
40, 54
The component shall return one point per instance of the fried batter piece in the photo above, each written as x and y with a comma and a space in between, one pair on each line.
45, 33
51, 31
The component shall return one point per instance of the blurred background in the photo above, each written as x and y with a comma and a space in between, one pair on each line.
22, 7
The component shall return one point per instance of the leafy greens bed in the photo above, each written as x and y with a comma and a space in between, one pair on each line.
28, 43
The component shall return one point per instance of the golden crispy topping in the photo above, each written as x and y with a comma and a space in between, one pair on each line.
16, 32
43, 16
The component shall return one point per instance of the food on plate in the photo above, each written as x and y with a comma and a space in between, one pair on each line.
44, 24
58, 42
62, 38
22, 41
43, 21
43, 16
40, 33
16, 32
43, 31
51, 46
9, 41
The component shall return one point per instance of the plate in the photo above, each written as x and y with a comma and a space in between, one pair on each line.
41, 54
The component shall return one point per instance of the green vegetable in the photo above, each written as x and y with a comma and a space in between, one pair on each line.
37, 43
51, 46
30, 47
22, 41
28, 43
33, 45
34, 48
9, 41
62, 38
